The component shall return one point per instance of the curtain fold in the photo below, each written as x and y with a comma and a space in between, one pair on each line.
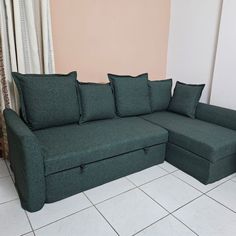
25, 46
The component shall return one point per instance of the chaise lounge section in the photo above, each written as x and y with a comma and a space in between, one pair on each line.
205, 150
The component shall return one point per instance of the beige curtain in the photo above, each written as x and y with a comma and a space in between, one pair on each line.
25, 46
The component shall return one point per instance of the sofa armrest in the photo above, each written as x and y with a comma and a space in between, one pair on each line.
26, 161
216, 115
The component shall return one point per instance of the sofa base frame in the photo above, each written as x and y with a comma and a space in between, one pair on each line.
205, 171
69, 182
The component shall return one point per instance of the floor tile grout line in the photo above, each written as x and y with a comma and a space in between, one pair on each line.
185, 224
201, 195
170, 172
197, 188
112, 196
148, 182
2, 203
13, 182
151, 224
27, 233
29, 222
155, 201
220, 203
135, 187
171, 213
150, 197
107, 220
101, 214
205, 193
187, 183
217, 186
55, 221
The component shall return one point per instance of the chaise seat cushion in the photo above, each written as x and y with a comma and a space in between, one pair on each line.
210, 141
74, 145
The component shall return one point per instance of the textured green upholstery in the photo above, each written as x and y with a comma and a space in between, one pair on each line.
207, 140
26, 161
97, 102
48, 100
66, 183
185, 98
160, 94
74, 145
131, 94
198, 167
54, 163
217, 115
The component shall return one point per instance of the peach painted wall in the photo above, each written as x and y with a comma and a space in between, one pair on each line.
95, 37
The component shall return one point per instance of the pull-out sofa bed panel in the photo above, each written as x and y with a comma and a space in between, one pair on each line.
80, 157
70, 146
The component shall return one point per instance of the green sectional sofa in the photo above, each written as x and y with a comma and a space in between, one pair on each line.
110, 131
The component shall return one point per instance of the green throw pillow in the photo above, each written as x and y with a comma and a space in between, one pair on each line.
131, 94
186, 98
160, 94
97, 101
48, 100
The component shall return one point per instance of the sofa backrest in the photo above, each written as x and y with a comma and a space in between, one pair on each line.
216, 115
48, 100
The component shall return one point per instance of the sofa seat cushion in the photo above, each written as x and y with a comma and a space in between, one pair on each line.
207, 140
74, 145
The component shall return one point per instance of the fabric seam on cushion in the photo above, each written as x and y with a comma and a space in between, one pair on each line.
106, 158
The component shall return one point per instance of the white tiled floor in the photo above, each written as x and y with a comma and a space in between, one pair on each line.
58, 210
3, 169
147, 175
7, 190
109, 190
170, 192
161, 200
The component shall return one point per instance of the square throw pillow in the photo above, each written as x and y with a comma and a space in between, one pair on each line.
160, 94
48, 100
97, 102
131, 94
186, 98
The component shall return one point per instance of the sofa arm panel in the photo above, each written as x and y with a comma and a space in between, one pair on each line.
26, 161
216, 115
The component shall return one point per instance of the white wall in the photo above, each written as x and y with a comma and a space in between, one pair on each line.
193, 36
224, 79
